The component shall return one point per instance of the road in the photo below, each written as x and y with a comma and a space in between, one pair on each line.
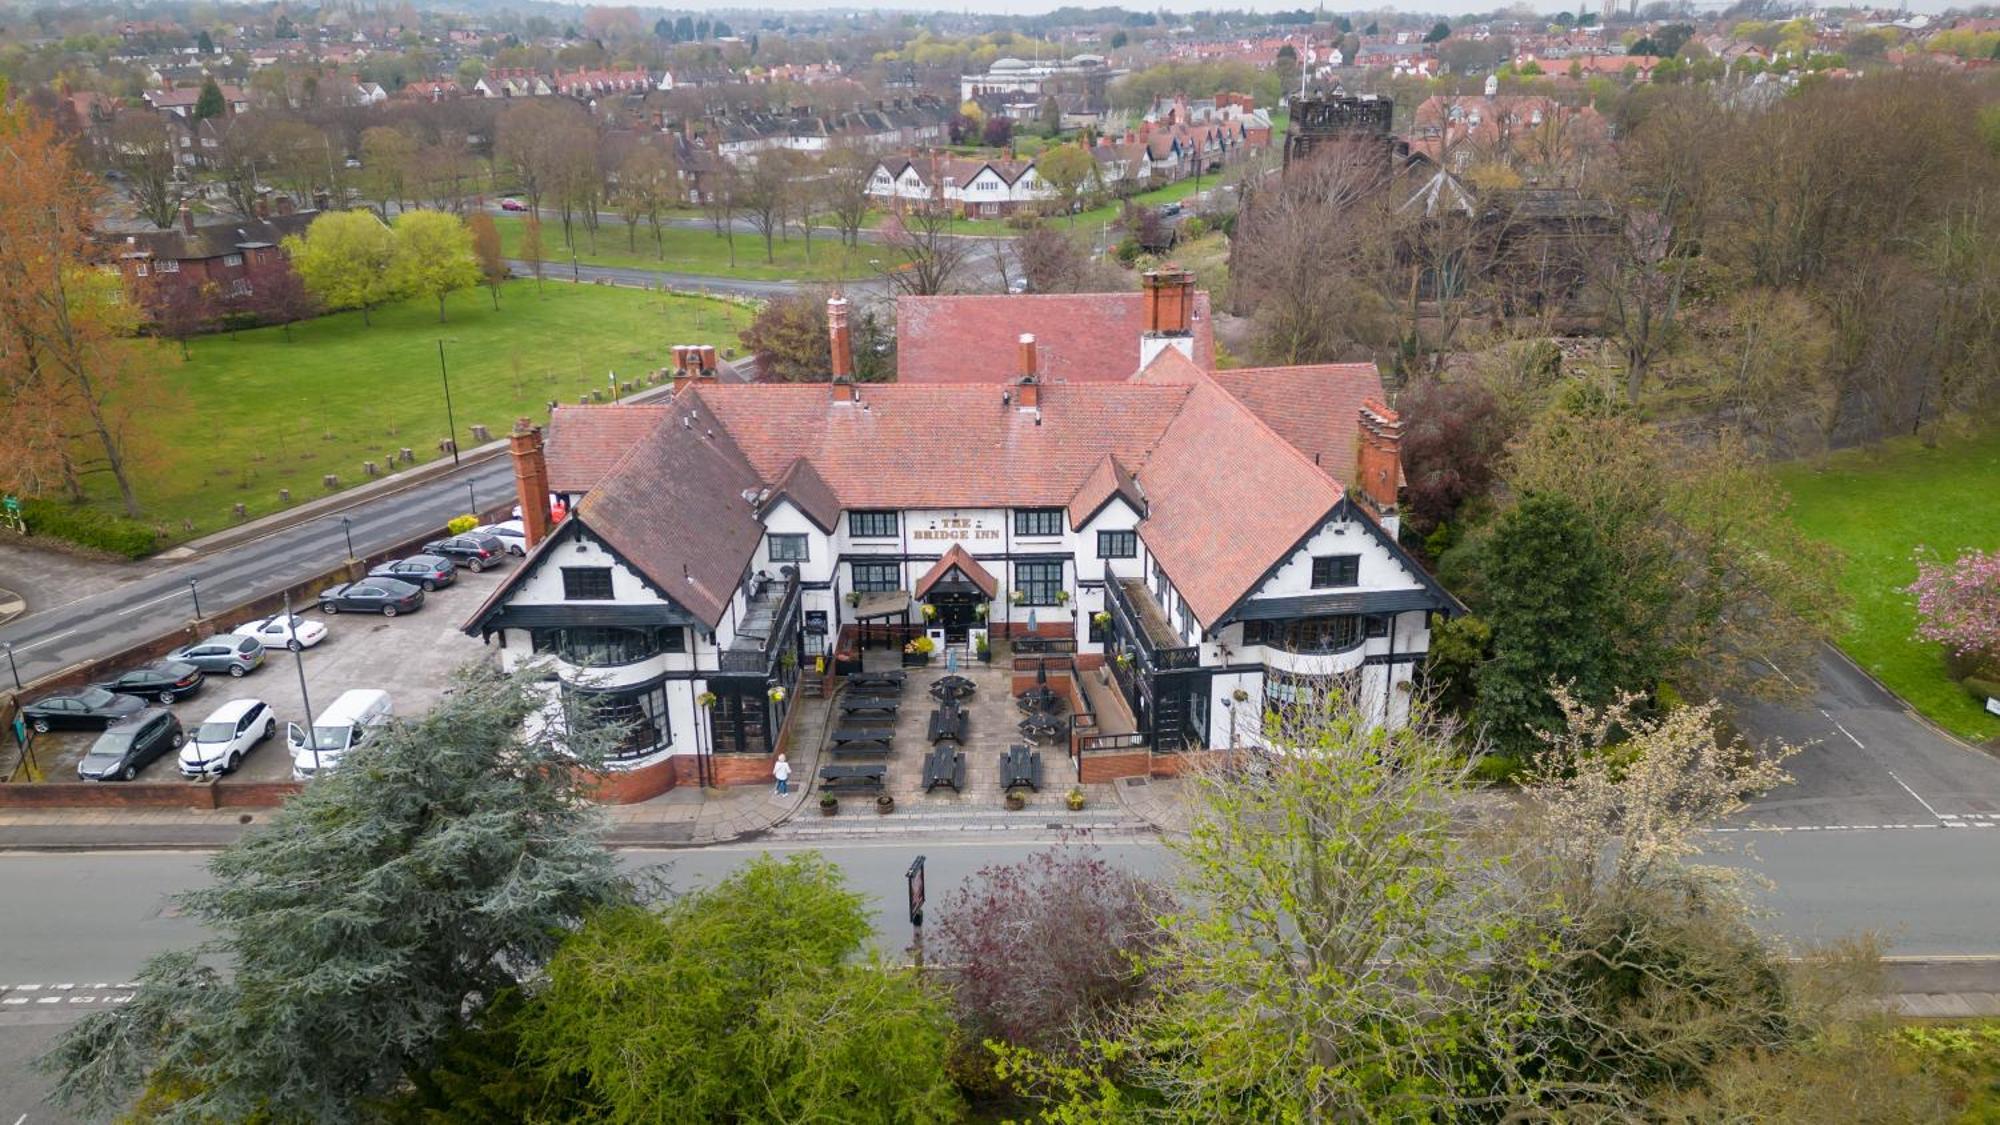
79, 925
50, 637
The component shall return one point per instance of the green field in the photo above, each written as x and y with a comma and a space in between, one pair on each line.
250, 413
1879, 505
688, 250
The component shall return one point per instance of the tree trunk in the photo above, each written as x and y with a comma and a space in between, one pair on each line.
440, 308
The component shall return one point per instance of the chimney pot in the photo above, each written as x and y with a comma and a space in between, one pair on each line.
1029, 367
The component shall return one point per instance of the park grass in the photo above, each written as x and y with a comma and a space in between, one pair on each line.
1879, 505
692, 251
250, 412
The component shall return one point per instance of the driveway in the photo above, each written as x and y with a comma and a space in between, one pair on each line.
1870, 762
412, 656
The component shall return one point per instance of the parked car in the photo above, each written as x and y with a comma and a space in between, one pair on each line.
128, 745
229, 733
512, 205
473, 551
385, 596
169, 681
227, 652
427, 571
1169, 210
349, 721
276, 632
509, 532
84, 707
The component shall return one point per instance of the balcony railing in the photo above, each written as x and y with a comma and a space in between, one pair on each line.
1147, 626
770, 621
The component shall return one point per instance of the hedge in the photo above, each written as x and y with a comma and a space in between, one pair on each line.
88, 527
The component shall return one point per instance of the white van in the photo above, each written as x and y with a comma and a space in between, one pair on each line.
350, 721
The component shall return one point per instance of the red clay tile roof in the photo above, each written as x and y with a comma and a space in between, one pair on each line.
958, 557
915, 446
1226, 496
1314, 407
1108, 479
808, 492
1079, 337
583, 442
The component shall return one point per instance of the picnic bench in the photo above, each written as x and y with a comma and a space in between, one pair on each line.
865, 705
876, 679
945, 765
947, 722
1043, 728
867, 778
1021, 766
863, 732
874, 691
951, 688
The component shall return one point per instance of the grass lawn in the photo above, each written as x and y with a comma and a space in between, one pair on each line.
251, 413
693, 251
1879, 505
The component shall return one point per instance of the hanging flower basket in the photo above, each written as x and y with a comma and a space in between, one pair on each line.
777, 694
705, 699
854, 599
930, 612
981, 610
1102, 619
1018, 597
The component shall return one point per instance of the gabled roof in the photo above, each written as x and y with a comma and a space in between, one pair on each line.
1225, 495
959, 560
1079, 337
1107, 481
807, 490
215, 240
678, 507
582, 443
1313, 407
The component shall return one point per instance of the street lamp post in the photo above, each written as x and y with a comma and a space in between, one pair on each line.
449, 421
299, 661
347, 529
13, 667
471, 499
195, 593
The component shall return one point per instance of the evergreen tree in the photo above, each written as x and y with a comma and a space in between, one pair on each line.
1439, 32
662, 29
204, 44
209, 103
1550, 601
381, 911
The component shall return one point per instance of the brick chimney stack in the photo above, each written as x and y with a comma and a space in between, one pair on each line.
1169, 302
187, 219
837, 339
531, 480
1028, 394
1378, 456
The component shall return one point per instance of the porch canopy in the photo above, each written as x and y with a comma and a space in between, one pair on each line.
957, 572
887, 603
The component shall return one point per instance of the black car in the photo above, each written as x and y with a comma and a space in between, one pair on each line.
427, 571
128, 745
385, 596
474, 552
84, 707
168, 681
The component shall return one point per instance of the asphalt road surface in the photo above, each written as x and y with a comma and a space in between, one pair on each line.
48, 638
79, 925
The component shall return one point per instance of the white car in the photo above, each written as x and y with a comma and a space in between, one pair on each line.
509, 532
276, 632
222, 740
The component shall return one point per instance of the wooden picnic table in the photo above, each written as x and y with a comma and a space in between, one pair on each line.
1021, 766
867, 704
875, 679
864, 777
1042, 728
947, 722
945, 766
952, 688
874, 691
864, 749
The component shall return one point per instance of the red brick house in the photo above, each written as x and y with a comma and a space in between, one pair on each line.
213, 267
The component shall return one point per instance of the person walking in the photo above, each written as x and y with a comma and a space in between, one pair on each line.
783, 772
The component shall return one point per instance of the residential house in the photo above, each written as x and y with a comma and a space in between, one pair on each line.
179, 101
213, 264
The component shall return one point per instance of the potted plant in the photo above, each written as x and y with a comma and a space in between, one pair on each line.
828, 804
917, 653
1124, 660
788, 660
984, 649
1016, 799
1074, 798
1062, 597
854, 599
884, 804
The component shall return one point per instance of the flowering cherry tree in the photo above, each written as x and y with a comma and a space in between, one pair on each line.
1958, 603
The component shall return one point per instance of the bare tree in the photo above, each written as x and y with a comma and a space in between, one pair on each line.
845, 175
142, 150
764, 194
921, 257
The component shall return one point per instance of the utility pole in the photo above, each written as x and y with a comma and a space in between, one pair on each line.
299, 661
450, 422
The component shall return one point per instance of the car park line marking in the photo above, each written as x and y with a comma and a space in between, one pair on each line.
1926, 804
1836, 725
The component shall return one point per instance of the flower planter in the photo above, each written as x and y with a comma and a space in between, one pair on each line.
828, 808
1074, 799
1016, 800
916, 659
885, 804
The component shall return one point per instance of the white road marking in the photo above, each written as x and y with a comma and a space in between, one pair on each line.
1920, 800
148, 604
51, 639
1842, 729
15, 1000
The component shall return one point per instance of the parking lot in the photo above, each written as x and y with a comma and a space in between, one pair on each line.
410, 656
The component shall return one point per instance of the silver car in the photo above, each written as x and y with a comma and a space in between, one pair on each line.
226, 652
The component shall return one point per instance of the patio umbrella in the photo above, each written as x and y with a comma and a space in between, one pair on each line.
1041, 673
951, 660
1031, 621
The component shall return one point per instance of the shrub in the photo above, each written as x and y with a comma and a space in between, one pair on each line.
1982, 690
459, 525
1194, 228
88, 527
1495, 769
